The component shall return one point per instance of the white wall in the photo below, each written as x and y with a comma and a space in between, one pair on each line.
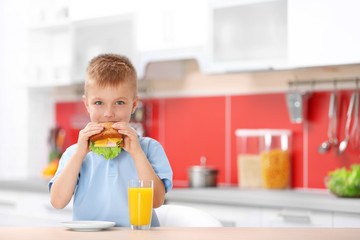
13, 93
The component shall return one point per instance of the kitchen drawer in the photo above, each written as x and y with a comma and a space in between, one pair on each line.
346, 220
230, 216
276, 217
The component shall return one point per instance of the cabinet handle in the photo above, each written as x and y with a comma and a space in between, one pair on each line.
298, 216
7, 204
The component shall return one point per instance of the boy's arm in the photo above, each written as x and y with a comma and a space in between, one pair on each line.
63, 187
145, 171
142, 164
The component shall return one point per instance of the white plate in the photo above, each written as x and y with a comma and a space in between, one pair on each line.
88, 225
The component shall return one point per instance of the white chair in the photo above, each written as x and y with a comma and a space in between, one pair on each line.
184, 216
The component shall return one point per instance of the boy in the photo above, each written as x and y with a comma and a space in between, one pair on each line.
100, 186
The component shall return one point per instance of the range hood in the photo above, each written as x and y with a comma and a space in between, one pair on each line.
168, 64
169, 69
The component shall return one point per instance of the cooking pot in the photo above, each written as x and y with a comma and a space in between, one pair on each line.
202, 176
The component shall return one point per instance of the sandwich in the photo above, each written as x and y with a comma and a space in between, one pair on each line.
107, 143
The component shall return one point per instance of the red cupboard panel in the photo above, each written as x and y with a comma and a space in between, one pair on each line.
266, 111
194, 127
152, 118
72, 117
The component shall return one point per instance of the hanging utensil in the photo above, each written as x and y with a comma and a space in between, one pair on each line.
355, 131
334, 121
344, 143
325, 146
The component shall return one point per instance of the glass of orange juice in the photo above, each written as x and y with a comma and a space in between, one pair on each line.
140, 194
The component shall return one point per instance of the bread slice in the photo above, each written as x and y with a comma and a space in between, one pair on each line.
108, 132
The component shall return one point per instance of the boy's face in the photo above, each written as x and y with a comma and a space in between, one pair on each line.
109, 103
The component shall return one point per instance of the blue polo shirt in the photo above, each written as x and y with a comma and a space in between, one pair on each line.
101, 188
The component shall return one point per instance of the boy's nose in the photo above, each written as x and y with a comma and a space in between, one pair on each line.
109, 112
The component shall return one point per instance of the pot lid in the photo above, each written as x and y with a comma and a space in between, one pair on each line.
203, 167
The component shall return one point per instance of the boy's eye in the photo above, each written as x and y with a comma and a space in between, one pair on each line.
120, 102
98, 103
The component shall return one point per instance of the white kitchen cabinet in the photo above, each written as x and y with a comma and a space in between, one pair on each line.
171, 30
58, 54
342, 220
49, 56
323, 32
247, 35
83, 9
230, 216
249, 216
275, 217
164, 25
114, 34
282, 34
30, 209
64, 36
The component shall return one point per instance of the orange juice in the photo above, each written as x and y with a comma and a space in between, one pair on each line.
140, 205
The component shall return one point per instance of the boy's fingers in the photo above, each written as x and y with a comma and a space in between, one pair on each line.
118, 125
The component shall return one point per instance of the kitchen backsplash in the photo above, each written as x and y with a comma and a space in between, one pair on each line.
191, 127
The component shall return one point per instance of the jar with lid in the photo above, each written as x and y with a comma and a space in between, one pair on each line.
275, 159
249, 158
263, 158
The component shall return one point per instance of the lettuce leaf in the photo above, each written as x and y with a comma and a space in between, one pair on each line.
345, 183
107, 152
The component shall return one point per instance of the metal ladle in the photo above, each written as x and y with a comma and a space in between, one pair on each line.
345, 142
325, 146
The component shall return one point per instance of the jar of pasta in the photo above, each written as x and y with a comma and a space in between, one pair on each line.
275, 158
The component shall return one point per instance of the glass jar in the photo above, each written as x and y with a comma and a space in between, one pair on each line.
275, 159
264, 158
249, 158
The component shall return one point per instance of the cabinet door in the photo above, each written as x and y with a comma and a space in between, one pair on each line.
30, 209
230, 216
103, 35
83, 9
323, 32
248, 35
274, 217
347, 220
49, 56
169, 25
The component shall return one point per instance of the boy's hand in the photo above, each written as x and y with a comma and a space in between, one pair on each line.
131, 141
91, 128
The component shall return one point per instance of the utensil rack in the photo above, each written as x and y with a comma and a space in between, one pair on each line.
327, 83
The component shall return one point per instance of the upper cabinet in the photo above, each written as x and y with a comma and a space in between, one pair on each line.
64, 37
114, 34
222, 35
247, 35
171, 30
277, 34
49, 56
323, 32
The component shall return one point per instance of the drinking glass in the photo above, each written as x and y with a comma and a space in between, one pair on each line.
140, 194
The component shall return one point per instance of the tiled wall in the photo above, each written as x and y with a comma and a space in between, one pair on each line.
191, 127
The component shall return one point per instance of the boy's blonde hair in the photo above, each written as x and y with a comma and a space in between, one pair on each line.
110, 70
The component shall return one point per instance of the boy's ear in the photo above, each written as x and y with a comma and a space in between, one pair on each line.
85, 102
135, 104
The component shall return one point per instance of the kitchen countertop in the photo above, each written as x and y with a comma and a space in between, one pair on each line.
181, 233
321, 200
28, 185
231, 196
